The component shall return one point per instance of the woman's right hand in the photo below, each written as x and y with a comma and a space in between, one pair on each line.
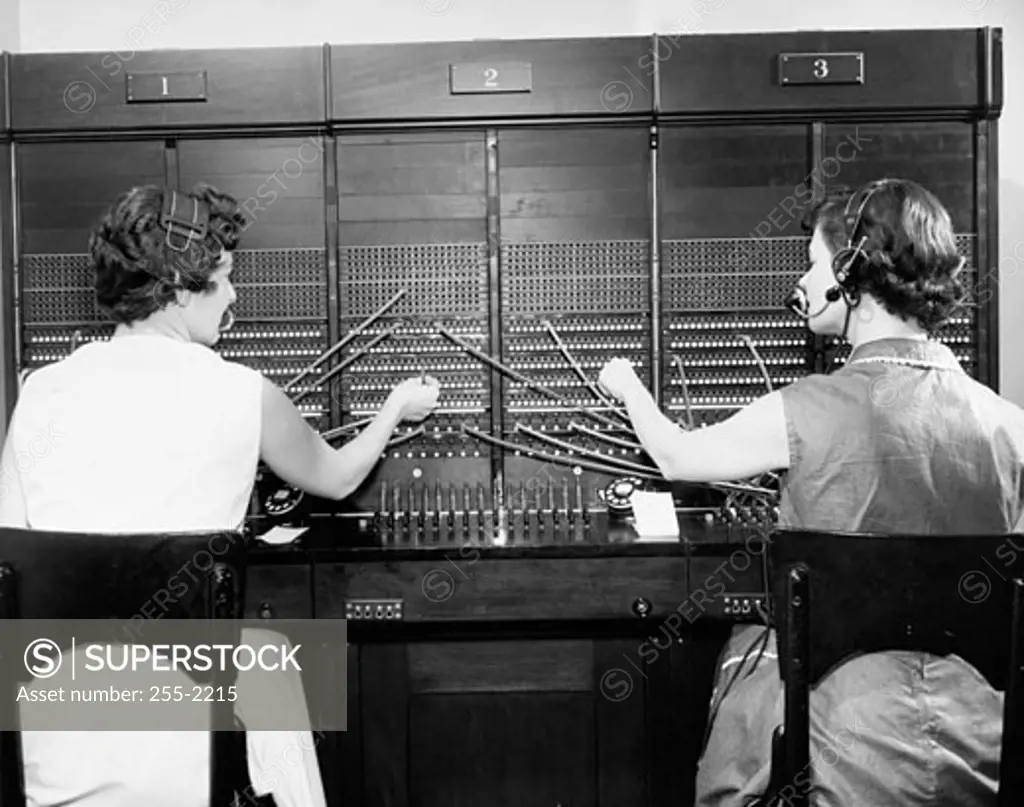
415, 399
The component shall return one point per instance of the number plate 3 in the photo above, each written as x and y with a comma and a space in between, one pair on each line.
821, 68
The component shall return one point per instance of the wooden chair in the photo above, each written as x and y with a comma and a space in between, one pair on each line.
61, 575
835, 595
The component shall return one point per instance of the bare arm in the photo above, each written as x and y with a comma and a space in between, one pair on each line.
751, 442
301, 457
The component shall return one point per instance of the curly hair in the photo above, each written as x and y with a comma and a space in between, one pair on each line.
909, 260
137, 273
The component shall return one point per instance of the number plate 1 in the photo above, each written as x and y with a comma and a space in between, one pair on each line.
490, 77
821, 68
165, 87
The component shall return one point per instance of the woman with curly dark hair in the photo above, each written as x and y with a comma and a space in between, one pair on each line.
153, 431
899, 440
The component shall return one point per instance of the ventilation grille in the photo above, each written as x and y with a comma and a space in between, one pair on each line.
603, 277
441, 280
271, 284
731, 273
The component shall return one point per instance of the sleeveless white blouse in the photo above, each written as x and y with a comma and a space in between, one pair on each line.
143, 433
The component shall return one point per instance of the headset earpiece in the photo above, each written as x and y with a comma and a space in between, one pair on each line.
843, 260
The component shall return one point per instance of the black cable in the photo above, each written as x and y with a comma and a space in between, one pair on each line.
763, 638
842, 339
729, 686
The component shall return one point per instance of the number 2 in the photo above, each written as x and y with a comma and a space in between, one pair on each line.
820, 68
164, 80
490, 77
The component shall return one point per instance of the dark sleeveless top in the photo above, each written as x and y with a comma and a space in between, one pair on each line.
895, 448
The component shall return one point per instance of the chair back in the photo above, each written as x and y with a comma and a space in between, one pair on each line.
89, 576
836, 595
868, 593
65, 575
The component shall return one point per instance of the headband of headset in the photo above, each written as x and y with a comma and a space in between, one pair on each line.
184, 218
842, 263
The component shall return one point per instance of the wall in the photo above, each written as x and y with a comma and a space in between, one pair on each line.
10, 26
126, 25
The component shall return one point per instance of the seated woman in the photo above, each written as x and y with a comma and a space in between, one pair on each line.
153, 431
899, 440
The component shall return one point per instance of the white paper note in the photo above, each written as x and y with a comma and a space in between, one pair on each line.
654, 516
282, 535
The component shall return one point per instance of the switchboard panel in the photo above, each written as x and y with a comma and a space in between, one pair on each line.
732, 247
489, 79
280, 268
942, 157
413, 260
507, 216
137, 89
576, 292
63, 190
825, 72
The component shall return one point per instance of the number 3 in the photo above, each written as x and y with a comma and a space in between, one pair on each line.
490, 77
820, 68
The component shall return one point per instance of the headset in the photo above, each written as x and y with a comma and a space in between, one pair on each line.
843, 260
193, 222
187, 219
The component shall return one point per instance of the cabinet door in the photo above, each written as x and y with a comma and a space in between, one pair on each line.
941, 157
504, 723
62, 190
575, 233
412, 217
732, 199
280, 268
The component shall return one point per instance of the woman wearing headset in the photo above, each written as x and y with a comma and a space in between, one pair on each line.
152, 431
899, 440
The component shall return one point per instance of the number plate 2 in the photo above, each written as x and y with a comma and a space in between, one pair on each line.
821, 68
491, 77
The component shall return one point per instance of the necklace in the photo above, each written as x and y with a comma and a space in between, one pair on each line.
923, 363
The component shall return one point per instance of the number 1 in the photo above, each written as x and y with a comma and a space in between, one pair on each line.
164, 80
